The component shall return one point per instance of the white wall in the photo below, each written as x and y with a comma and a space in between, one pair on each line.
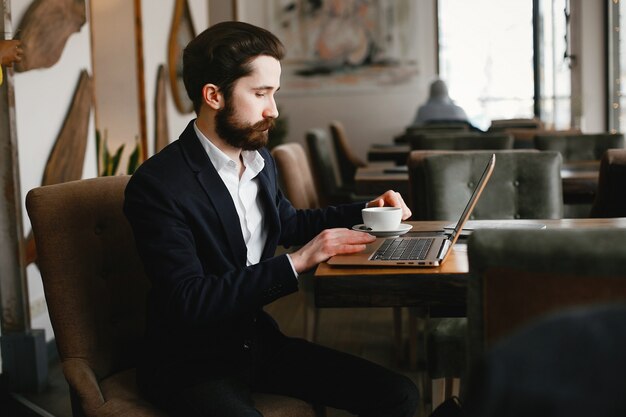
157, 22
42, 99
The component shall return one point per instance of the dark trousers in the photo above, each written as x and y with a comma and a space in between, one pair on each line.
274, 363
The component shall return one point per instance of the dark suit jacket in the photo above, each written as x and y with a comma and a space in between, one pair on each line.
205, 302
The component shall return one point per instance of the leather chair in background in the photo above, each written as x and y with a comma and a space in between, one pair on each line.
524, 138
524, 185
329, 188
295, 176
435, 128
610, 199
581, 147
519, 275
462, 141
499, 125
96, 289
347, 161
296, 181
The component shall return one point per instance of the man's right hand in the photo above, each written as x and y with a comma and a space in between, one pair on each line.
329, 243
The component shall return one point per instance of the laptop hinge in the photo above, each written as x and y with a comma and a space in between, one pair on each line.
444, 249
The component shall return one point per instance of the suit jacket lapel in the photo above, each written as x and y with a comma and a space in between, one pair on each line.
215, 190
271, 212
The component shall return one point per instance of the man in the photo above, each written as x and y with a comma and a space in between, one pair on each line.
207, 216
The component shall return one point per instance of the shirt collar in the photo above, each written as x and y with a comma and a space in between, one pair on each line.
252, 160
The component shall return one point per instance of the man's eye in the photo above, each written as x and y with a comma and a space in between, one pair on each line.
260, 94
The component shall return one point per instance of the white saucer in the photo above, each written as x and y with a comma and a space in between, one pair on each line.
383, 233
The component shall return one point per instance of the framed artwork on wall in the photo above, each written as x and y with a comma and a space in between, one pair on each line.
340, 45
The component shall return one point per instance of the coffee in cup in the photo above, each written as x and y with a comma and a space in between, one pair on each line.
382, 218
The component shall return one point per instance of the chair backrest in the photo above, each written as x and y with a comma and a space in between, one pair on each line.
456, 126
569, 363
347, 161
581, 147
502, 124
322, 159
519, 275
610, 200
462, 141
524, 184
295, 175
524, 138
93, 279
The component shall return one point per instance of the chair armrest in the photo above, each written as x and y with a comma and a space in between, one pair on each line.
83, 382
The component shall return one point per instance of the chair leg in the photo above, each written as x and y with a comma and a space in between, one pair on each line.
448, 384
417, 341
397, 334
311, 319
426, 391
320, 410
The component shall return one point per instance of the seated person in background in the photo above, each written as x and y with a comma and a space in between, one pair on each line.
439, 107
207, 216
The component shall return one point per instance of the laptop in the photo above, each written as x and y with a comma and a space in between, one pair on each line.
422, 251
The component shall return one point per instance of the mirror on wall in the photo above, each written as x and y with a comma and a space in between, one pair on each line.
181, 33
118, 83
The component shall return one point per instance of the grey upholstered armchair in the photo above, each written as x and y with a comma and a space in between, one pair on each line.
524, 185
580, 147
519, 275
462, 141
610, 199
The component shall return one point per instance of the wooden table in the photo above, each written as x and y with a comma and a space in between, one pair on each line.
443, 286
579, 179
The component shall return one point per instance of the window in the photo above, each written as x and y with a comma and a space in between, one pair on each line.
486, 56
553, 47
616, 65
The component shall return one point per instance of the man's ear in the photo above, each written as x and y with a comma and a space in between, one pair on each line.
212, 96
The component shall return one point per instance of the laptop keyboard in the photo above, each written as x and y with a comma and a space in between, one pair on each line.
403, 249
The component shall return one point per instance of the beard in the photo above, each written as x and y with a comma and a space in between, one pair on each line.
246, 136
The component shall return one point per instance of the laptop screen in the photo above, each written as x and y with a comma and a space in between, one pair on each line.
473, 199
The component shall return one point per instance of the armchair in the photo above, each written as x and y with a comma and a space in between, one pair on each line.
580, 147
96, 290
524, 185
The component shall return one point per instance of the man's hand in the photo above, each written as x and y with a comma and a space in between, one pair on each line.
329, 243
392, 199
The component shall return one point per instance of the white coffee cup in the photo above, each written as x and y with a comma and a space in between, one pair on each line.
382, 218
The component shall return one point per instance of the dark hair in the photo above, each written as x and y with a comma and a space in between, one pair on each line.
221, 55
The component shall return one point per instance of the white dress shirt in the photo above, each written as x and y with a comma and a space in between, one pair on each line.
244, 193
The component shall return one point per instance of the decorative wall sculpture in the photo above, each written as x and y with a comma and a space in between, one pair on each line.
181, 33
44, 30
161, 131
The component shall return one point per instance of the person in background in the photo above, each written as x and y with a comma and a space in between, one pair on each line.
207, 216
439, 107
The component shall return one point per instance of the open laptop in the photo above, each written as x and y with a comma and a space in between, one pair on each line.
422, 251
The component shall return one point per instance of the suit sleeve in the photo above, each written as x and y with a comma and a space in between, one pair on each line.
195, 283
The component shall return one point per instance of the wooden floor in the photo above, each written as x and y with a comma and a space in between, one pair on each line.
364, 332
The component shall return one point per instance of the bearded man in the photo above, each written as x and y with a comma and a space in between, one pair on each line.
207, 216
